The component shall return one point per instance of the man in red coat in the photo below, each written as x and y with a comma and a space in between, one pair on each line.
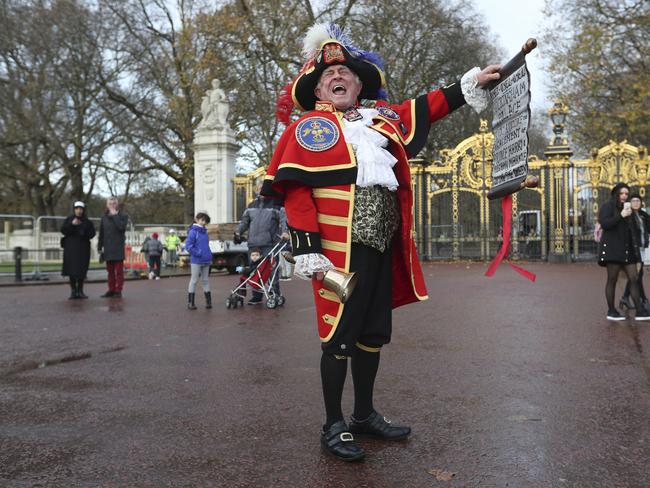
342, 170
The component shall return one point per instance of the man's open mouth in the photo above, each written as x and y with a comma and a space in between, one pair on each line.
339, 90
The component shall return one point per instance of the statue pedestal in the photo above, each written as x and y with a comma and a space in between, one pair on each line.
215, 151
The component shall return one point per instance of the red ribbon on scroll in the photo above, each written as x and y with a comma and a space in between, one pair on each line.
506, 210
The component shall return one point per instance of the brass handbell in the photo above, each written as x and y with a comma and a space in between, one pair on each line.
341, 283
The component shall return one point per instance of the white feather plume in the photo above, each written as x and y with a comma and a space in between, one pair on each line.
315, 36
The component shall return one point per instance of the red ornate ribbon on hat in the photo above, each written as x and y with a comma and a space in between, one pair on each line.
506, 210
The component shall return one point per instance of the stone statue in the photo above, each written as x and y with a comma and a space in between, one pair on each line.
214, 108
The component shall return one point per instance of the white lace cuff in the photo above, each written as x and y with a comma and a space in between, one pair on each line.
308, 264
475, 96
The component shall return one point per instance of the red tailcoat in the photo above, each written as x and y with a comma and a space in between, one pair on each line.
314, 170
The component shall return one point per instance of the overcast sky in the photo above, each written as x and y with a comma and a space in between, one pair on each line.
514, 21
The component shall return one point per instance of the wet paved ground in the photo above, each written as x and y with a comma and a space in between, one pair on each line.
505, 383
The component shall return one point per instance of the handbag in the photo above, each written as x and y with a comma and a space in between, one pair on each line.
598, 232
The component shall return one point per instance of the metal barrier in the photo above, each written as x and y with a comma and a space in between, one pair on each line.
21, 263
41, 250
36, 273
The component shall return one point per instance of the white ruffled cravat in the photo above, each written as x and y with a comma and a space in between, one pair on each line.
374, 163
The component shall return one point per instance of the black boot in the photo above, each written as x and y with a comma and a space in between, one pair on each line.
208, 299
190, 301
80, 289
625, 302
73, 289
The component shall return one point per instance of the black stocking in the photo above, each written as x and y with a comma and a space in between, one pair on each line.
364, 371
632, 279
612, 275
332, 373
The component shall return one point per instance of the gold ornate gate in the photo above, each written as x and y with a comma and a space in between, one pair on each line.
593, 180
455, 219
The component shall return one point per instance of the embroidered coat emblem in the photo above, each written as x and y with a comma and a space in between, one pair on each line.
317, 134
387, 112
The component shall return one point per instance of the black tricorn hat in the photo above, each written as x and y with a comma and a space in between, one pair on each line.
326, 45
333, 52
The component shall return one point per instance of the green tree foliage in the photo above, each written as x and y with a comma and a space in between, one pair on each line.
156, 206
599, 64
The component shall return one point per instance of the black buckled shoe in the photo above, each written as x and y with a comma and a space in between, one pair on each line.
376, 425
338, 441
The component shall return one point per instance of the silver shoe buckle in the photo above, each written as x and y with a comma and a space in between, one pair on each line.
346, 437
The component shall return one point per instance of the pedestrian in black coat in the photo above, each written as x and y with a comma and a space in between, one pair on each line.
619, 249
641, 219
112, 237
77, 231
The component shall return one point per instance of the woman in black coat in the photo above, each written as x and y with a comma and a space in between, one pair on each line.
619, 249
77, 231
642, 221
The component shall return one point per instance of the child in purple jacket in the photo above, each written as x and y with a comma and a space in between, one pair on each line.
197, 245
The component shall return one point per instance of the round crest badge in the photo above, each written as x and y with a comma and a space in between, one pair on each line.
388, 112
317, 134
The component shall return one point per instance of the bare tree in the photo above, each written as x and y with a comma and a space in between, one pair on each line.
165, 67
54, 134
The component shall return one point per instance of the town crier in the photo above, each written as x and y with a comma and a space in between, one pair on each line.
342, 170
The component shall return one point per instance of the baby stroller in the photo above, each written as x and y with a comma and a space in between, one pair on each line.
260, 277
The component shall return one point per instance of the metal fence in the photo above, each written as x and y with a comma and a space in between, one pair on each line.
40, 253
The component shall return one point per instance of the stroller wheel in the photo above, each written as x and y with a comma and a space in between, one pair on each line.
228, 302
234, 303
280, 301
271, 303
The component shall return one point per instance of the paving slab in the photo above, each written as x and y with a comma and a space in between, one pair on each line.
504, 382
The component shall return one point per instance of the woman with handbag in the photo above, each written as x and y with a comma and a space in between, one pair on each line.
77, 232
619, 250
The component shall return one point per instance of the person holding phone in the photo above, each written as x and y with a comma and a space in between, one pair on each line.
619, 250
642, 221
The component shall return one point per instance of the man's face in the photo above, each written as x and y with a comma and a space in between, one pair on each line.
340, 85
78, 211
636, 203
111, 204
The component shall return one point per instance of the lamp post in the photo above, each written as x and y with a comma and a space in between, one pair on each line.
558, 166
558, 115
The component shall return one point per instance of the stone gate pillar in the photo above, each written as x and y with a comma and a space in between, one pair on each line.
215, 152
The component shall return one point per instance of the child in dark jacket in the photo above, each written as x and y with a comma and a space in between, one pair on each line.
197, 245
258, 272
